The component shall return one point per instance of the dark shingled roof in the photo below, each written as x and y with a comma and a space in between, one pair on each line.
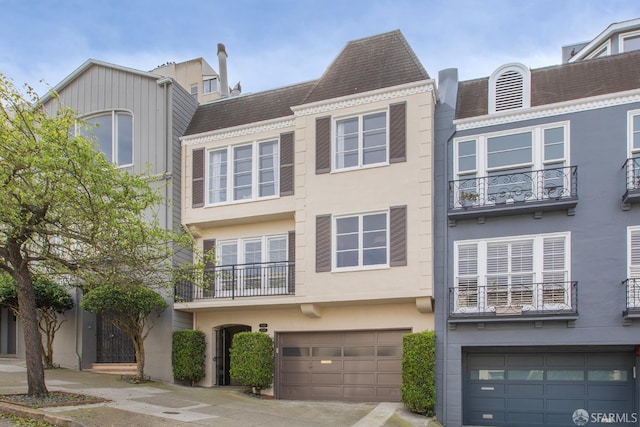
368, 64
245, 109
566, 82
363, 65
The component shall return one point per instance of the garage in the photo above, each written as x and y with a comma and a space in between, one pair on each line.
530, 388
361, 366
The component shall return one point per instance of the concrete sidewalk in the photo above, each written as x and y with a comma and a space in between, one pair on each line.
161, 404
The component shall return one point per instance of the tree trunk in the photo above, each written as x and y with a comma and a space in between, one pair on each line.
28, 313
138, 345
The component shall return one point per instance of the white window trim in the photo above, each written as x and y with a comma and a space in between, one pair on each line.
254, 179
334, 218
526, 86
603, 48
482, 156
114, 146
204, 87
623, 36
538, 259
630, 229
630, 150
335, 120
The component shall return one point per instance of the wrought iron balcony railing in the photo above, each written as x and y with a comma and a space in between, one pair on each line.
239, 280
632, 178
528, 188
633, 297
522, 300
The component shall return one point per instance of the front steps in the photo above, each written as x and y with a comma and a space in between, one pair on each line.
114, 368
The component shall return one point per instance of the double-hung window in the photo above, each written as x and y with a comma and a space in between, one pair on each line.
113, 131
252, 265
633, 167
528, 272
360, 141
633, 266
629, 41
243, 172
209, 85
520, 165
361, 241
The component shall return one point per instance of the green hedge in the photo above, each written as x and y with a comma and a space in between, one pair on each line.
419, 371
252, 360
188, 356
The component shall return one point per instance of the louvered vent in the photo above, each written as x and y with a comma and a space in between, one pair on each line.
509, 91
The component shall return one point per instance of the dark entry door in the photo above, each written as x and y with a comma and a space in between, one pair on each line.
112, 345
222, 360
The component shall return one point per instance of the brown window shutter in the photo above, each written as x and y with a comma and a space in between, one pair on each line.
323, 145
197, 178
292, 262
209, 247
398, 236
286, 164
323, 243
398, 132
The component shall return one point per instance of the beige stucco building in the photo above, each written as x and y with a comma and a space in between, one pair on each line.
316, 199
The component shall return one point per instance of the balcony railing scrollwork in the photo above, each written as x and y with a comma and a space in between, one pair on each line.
468, 301
545, 189
632, 180
633, 297
239, 280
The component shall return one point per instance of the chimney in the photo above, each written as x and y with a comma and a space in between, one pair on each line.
222, 65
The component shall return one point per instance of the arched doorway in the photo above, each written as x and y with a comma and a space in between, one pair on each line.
223, 336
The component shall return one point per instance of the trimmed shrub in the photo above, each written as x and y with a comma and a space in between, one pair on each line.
252, 360
418, 372
188, 356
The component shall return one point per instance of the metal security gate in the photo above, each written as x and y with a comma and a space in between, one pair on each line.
350, 366
112, 346
546, 389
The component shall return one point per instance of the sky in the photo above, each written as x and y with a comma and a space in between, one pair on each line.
275, 43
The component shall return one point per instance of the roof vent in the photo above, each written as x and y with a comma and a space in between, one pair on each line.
509, 88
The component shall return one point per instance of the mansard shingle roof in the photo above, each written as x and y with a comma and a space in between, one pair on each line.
363, 65
566, 82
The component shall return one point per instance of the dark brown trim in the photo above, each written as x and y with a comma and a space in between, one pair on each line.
398, 236
209, 248
398, 132
323, 243
323, 145
286, 164
197, 178
292, 258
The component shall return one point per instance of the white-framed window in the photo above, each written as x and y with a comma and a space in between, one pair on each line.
243, 172
113, 131
602, 50
209, 85
361, 241
360, 141
509, 88
629, 41
519, 164
528, 272
194, 91
633, 266
252, 265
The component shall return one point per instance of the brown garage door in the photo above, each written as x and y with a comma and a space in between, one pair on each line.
362, 366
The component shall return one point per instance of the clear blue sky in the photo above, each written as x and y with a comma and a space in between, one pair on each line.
280, 42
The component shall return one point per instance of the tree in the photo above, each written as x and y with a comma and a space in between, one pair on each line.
52, 299
64, 209
129, 309
252, 360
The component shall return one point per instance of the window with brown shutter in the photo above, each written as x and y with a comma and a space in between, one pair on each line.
398, 236
197, 178
323, 145
292, 260
323, 243
398, 132
209, 248
286, 164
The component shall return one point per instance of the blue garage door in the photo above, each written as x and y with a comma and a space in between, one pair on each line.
525, 389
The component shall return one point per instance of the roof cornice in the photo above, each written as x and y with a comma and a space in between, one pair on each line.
243, 130
566, 107
364, 98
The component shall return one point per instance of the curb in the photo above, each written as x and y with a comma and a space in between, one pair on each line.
21, 411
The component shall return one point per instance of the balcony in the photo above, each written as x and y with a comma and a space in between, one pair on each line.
531, 301
239, 280
632, 178
514, 193
633, 298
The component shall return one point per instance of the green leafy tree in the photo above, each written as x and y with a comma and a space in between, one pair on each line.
252, 360
64, 209
52, 299
130, 309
